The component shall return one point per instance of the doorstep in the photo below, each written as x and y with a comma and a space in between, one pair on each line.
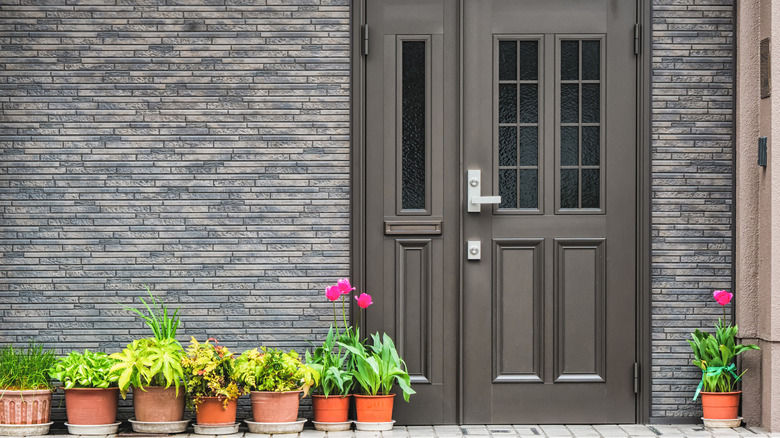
500, 431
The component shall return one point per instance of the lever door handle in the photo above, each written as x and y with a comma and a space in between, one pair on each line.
473, 192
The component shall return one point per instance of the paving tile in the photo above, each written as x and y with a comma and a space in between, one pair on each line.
344, 434
501, 429
693, 430
372, 434
475, 430
308, 433
448, 431
528, 429
610, 430
637, 430
555, 430
582, 430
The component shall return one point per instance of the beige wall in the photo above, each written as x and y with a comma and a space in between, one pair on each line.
758, 215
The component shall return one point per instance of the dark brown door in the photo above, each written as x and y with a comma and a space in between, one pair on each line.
549, 118
538, 96
412, 212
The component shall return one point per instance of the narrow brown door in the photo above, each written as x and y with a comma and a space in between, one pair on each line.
411, 212
549, 119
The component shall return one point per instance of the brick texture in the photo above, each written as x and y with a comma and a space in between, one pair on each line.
200, 147
692, 193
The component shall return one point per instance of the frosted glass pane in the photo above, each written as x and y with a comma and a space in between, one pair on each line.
590, 103
570, 60
507, 103
591, 153
529, 145
413, 125
507, 146
569, 145
570, 103
507, 60
591, 58
590, 188
569, 188
529, 103
529, 188
529, 60
507, 188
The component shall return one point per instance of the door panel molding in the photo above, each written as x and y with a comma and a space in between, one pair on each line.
517, 325
414, 270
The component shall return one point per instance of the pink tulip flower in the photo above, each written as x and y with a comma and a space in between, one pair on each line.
364, 300
344, 286
333, 293
722, 297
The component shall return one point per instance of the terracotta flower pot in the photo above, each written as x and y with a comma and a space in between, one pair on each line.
720, 405
374, 408
91, 405
211, 411
158, 404
333, 409
275, 407
25, 407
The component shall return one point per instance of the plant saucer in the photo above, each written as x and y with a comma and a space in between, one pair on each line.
326, 426
731, 422
216, 429
93, 429
291, 427
159, 426
374, 427
24, 429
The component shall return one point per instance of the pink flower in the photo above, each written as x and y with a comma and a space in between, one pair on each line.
344, 286
333, 293
722, 297
364, 300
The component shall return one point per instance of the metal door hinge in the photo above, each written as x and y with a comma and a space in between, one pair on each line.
636, 377
365, 40
637, 38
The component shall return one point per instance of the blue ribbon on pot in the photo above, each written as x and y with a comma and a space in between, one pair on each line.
716, 372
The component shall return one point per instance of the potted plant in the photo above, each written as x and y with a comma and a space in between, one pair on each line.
212, 387
716, 356
91, 394
275, 380
332, 393
152, 367
378, 368
25, 390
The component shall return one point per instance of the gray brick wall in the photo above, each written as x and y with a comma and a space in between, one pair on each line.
200, 147
692, 167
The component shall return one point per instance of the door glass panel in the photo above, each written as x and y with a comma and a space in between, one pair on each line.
517, 127
413, 117
580, 145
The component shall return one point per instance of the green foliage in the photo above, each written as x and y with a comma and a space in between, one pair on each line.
210, 371
150, 362
332, 365
715, 356
163, 324
378, 367
25, 368
274, 370
84, 370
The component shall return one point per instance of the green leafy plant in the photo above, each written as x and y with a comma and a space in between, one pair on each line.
162, 323
715, 356
84, 370
274, 370
332, 366
211, 372
150, 362
378, 367
23, 369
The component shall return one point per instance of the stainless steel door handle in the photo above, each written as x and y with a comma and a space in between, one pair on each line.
473, 192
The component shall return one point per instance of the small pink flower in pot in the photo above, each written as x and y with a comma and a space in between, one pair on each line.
364, 300
333, 293
722, 297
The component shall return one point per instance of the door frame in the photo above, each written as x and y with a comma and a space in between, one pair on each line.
643, 209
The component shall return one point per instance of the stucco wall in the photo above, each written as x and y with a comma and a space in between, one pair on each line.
758, 215
692, 172
200, 147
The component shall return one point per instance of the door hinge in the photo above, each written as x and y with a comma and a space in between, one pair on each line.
636, 377
637, 38
365, 40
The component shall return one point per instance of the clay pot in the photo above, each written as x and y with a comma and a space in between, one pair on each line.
25, 407
374, 408
91, 406
275, 407
158, 404
211, 411
720, 405
332, 409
